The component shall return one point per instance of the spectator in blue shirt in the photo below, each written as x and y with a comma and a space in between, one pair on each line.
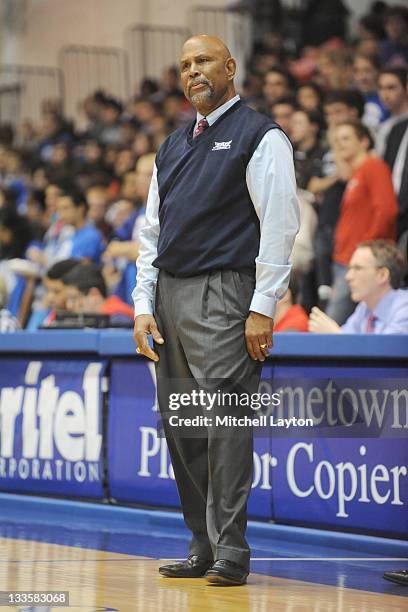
86, 243
374, 275
394, 49
366, 72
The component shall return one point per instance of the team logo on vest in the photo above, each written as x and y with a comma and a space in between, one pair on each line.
218, 146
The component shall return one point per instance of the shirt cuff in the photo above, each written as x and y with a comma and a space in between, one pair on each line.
143, 306
263, 304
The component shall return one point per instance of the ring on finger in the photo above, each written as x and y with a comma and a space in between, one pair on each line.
262, 346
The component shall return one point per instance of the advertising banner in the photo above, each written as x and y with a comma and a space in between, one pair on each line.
139, 467
350, 467
332, 451
51, 426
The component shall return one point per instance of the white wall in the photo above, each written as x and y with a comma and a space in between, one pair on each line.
358, 8
51, 24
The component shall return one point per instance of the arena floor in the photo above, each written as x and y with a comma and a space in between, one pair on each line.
107, 558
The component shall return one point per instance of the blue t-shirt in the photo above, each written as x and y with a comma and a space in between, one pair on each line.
124, 232
374, 110
87, 242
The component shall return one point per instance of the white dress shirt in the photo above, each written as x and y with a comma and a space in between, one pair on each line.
384, 130
400, 162
270, 178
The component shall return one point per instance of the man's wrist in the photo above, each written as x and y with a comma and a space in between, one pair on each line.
260, 314
263, 304
143, 307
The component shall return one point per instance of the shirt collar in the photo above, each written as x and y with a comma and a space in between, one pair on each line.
381, 310
216, 114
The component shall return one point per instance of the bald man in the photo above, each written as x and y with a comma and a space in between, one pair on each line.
221, 219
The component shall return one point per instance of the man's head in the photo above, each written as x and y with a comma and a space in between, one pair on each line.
365, 72
343, 105
56, 290
52, 193
71, 207
110, 111
309, 96
207, 73
352, 139
97, 199
85, 289
252, 85
305, 127
124, 162
170, 79
334, 67
92, 151
143, 110
396, 24
143, 171
392, 87
375, 268
173, 107
282, 112
277, 83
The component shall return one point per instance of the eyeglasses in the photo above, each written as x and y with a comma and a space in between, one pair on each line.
357, 268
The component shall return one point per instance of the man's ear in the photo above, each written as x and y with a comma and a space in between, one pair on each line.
384, 274
230, 68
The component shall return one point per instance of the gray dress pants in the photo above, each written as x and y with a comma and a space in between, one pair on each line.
202, 321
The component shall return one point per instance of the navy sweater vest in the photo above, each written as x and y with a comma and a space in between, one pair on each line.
207, 218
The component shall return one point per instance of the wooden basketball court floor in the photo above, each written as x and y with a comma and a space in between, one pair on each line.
107, 559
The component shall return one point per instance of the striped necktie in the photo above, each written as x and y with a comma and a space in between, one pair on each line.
201, 126
371, 319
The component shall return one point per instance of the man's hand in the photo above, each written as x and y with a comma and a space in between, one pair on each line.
320, 323
114, 249
36, 255
144, 326
258, 335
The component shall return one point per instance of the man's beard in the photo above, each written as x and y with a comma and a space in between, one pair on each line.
203, 96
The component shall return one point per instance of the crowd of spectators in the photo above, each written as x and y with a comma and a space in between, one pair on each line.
72, 200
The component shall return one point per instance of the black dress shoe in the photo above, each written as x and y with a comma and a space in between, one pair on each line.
227, 573
399, 577
194, 567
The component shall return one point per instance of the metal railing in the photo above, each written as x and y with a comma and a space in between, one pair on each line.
82, 69
10, 96
88, 68
23, 89
234, 27
152, 48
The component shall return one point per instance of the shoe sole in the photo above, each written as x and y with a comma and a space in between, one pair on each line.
396, 581
224, 581
170, 575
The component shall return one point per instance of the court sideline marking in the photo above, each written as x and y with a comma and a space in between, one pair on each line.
318, 559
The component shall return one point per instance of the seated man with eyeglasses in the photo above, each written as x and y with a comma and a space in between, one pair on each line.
374, 277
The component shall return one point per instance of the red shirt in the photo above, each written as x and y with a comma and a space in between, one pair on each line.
368, 210
294, 319
114, 306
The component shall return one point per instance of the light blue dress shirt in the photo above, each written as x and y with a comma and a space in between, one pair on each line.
391, 315
271, 183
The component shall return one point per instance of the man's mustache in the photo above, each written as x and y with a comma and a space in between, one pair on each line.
199, 82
